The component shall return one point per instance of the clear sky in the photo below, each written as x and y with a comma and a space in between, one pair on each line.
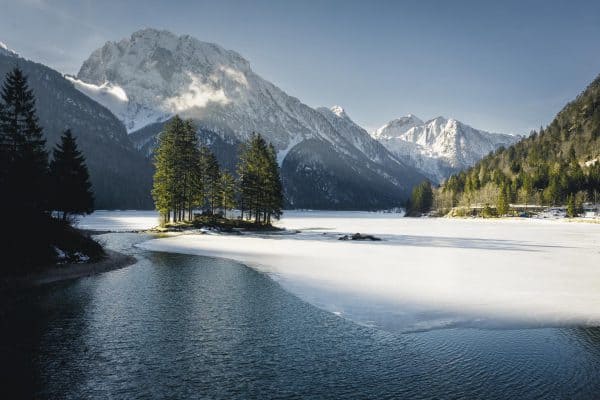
505, 66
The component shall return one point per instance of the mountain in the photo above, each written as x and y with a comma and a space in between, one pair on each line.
326, 161
439, 147
557, 165
120, 175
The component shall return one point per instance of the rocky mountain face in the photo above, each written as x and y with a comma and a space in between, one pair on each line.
327, 161
120, 175
439, 147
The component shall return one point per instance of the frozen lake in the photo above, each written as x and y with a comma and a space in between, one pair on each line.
425, 273
189, 326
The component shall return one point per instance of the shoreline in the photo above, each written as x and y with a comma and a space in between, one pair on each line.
57, 273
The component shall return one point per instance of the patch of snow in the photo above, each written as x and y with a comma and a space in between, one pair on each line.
281, 154
115, 98
5, 50
61, 255
339, 111
80, 257
119, 220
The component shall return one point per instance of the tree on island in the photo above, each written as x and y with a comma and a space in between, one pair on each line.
70, 179
260, 189
188, 177
210, 173
227, 189
178, 183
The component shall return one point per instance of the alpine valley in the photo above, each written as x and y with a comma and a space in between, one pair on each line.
127, 91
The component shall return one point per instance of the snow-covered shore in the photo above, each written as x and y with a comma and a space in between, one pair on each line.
119, 221
426, 273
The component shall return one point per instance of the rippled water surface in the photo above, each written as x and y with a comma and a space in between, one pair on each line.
182, 326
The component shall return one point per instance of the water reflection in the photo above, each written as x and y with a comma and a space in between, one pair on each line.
191, 327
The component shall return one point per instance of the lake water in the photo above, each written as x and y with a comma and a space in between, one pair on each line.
188, 326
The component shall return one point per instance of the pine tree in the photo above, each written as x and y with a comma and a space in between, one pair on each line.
226, 192
23, 157
260, 189
274, 186
164, 186
190, 153
502, 202
212, 179
187, 175
421, 199
571, 206
70, 179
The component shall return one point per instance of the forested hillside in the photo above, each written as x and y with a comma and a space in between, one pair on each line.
557, 165
121, 176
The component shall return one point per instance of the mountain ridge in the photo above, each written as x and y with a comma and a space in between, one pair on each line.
161, 74
120, 176
439, 146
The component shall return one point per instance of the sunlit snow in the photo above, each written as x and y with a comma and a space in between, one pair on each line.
118, 221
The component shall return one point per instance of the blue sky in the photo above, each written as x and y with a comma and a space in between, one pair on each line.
497, 65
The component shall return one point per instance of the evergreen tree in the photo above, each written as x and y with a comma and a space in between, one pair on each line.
70, 179
260, 189
421, 199
226, 192
163, 190
176, 169
571, 207
547, 167
274, 187
189, 152
212, 181
23, 157
502, 202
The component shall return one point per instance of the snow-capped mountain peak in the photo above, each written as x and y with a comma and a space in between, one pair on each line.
5, 50
152, 75
397, 127
339, 111
162, 74
439, 146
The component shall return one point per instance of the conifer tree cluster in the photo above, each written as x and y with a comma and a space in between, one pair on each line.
557, 165
260, 189
421, 199
31, 187
188, 178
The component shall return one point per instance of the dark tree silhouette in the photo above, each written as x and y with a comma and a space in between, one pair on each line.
23, 156
70, 179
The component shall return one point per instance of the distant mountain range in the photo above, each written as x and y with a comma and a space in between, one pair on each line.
135, 85
440, 146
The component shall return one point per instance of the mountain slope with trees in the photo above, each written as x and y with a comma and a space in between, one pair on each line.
556, 165
32, 188
121, 176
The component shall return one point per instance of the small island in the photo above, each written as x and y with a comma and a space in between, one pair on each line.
192, 191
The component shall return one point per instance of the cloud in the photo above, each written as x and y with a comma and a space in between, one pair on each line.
235, 75
197, 95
